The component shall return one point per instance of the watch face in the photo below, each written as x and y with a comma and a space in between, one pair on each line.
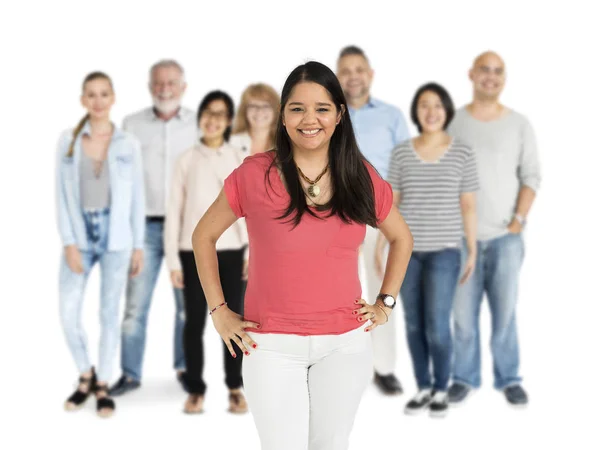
388, 300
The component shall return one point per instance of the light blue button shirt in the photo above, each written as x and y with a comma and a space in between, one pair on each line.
127, 204
379, 127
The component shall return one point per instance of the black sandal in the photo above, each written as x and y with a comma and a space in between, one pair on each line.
78, 398
105, 406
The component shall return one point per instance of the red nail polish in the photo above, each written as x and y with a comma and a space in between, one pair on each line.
258, 326
253, 345
366, 330
247, 353
234, 355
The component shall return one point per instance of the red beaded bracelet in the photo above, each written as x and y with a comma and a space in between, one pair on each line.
216, 307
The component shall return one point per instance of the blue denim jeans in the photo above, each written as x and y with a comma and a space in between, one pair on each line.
496, 274
114, 267
427, 294
138, 299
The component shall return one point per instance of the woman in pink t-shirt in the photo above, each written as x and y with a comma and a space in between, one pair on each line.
306, 206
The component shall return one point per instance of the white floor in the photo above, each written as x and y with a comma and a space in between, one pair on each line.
153, 416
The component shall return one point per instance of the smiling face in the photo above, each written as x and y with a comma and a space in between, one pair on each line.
167, 88
355, 75
310, 117
98, 98
259, 114
488, 76
430, 112
214, 121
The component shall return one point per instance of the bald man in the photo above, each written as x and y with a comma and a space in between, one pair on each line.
509, 175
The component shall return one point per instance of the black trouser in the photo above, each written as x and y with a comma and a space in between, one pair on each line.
230, 271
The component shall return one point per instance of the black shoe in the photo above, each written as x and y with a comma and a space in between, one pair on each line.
388, 384
418, 403
516, 396
458, 393
182, 382
78, 398
123, 386
439, 405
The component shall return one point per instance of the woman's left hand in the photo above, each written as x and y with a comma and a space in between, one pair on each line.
374, 313
137, 263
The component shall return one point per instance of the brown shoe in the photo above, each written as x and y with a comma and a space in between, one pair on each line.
237, 402
194, 404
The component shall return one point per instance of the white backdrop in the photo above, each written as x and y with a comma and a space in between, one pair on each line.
551, 54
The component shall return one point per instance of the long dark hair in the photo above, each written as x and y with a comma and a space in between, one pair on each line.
211, 97
353, 197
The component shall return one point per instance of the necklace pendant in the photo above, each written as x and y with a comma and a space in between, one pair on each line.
314, 190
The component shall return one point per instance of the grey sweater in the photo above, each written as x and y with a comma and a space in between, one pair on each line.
507, 159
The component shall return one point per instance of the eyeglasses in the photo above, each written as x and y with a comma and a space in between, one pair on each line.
261, 108
219, 115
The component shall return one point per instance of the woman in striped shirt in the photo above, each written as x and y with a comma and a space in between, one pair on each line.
434, 179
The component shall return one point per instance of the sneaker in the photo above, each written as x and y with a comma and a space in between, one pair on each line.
418, 403
458, 393
516, 396
388, 384
123, 386
439, 405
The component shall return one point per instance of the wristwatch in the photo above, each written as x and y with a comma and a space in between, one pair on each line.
388, 300
519, 218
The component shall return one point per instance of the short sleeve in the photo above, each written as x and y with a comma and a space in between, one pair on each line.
383, 195
395, 169
470, 180
233, 189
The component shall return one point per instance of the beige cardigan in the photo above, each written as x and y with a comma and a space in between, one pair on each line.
198, 177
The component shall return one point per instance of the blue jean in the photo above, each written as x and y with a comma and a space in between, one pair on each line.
427, 294
114, 267
497, 275
138, 299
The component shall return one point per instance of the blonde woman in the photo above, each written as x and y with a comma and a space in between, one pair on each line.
100, 196
256, 120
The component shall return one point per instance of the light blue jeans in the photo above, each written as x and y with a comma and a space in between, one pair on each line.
137, 306
496, 275
114, 267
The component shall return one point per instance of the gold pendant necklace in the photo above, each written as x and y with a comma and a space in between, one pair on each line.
313, 189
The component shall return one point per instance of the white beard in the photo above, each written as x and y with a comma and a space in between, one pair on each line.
166, 106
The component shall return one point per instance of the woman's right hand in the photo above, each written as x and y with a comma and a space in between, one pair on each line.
230, 327
73, 256
177, 279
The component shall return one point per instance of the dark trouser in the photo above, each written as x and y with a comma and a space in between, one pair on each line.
230, 272
427, 294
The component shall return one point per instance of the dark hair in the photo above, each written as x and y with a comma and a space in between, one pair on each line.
444, 97
89, 77
211, 97
352, 50
353, 197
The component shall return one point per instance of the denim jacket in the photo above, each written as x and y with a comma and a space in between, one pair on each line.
127, 202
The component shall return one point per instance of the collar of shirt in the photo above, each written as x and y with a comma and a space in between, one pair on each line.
371, 103
87, 130
182, 113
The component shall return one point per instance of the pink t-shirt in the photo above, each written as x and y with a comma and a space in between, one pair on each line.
301, 280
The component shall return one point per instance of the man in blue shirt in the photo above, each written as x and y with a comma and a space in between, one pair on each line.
379, 128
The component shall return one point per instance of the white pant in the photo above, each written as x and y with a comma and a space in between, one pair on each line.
384, 337
304, 391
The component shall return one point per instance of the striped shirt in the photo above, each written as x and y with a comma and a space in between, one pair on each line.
430, 193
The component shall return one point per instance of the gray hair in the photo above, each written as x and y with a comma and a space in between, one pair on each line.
167, 63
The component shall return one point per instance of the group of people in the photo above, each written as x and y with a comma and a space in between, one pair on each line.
295, 222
